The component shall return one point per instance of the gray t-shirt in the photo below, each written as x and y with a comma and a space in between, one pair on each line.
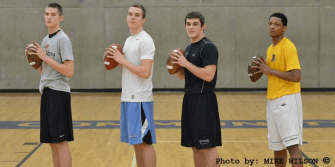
59, 48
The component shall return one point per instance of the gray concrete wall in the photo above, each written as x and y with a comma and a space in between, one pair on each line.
237, 27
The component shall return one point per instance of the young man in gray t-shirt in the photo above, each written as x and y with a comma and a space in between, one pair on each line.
56, 70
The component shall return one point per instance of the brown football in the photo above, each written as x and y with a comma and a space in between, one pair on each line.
110, 63
173, 68
254, 77
33, 60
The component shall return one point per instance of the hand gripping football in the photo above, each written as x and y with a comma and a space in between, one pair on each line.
110, 63
173, 68
33, 60
254, 77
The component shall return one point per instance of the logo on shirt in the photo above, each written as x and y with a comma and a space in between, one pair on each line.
273, 58
46, 48
284, 104
193, 54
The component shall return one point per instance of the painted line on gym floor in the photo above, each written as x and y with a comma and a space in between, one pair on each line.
222, 141
164, 124
31, 153
133, 163
247, 141
306, 157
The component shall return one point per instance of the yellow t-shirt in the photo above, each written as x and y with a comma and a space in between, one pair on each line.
282, 57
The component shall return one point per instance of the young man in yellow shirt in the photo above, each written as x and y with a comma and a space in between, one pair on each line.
284, 106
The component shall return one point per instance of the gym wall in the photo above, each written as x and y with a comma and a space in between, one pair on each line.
237, 27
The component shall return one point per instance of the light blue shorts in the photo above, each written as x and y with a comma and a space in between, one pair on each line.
137, 123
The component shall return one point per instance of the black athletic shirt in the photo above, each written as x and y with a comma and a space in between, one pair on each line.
201, 54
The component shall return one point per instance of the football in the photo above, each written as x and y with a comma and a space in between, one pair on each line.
110, 63
173, 68
33, 60
254, 77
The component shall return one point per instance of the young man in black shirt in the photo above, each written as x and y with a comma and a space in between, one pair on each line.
201, 128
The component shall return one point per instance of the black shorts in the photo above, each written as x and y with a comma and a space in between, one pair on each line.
56, 119
200, 121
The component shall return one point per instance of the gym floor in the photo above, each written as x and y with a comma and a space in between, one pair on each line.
97, 135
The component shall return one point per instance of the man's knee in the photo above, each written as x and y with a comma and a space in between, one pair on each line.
280, 151
142, 146
53, 146
195, 150
59, 145
203, 151
292, 149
